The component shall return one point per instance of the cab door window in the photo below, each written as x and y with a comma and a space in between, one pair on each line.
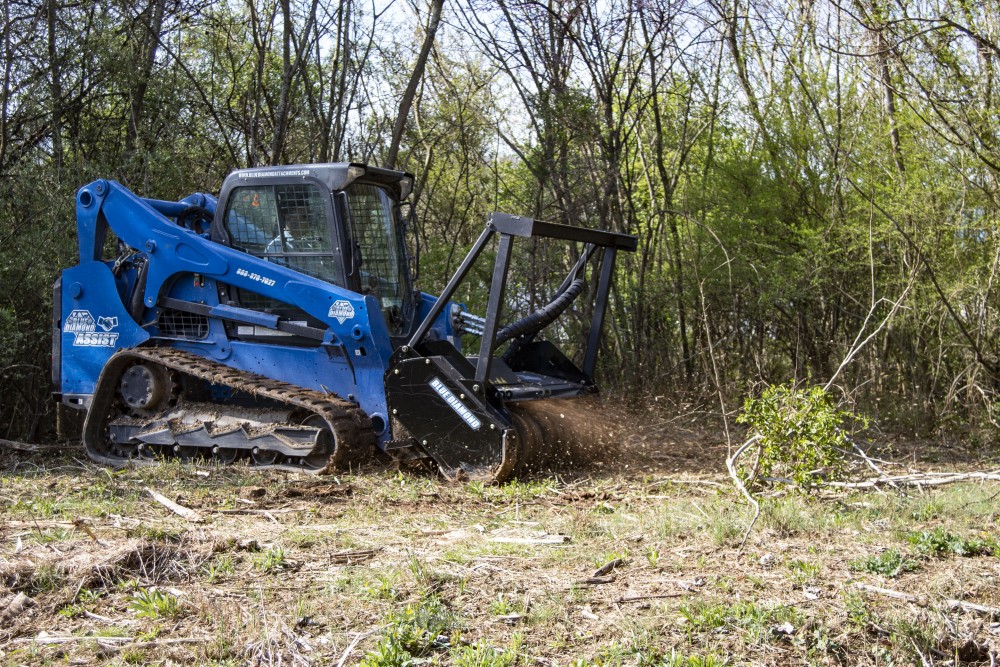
284, 224
381, 267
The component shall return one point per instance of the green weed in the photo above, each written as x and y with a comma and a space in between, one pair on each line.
154, 603
414, 634
47, 578
54, 535
505, 606
940, 542
383, 587
890, 563
270, 560
858, 613
680, 660
754, 620
803, 572
220, 568
482, 654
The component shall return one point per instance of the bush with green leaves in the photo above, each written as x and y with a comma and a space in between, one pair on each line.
802, 435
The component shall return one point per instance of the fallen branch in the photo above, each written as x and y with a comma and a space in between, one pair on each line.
698, 482
918, 479
28, 447
871, 463
348, 557
731, 466
924, 601
547, 539
39, 524
156, 643
350, 647
638, 598
179, 510
118, 643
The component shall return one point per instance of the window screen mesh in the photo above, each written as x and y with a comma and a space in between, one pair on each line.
285, 224
381, 268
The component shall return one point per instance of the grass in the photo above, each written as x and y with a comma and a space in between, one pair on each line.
271, 560
430, 587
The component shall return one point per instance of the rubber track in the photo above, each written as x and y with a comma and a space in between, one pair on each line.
353, 435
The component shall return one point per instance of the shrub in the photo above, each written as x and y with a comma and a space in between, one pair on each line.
800, 432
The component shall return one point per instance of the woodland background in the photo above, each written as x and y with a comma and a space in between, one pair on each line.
812, 182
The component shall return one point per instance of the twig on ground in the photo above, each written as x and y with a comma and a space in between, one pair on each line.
608, 567
638, 598
124, 642
97, 617
980, 502
664, 482
349, 557
924, 601
923, 660
350, 647
871, 463
547, 539
177, 509
731, 466
918, 480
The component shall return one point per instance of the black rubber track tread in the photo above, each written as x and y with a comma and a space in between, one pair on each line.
353, 435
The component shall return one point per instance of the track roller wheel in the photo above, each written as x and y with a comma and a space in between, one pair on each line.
320, 455
225, 455
186, 454
263, 457
147, 452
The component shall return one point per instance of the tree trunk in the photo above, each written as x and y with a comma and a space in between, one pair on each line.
411, 88
149, 43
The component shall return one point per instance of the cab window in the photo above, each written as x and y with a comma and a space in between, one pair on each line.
380, 262
284, 224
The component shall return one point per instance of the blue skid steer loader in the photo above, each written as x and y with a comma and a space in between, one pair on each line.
277, 325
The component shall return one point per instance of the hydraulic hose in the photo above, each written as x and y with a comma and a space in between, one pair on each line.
542, 317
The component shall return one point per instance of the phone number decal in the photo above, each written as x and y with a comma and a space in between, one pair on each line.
255, 277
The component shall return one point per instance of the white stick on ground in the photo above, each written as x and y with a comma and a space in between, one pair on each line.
179, 510
924, 601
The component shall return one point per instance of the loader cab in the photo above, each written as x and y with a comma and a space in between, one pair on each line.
339, 223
